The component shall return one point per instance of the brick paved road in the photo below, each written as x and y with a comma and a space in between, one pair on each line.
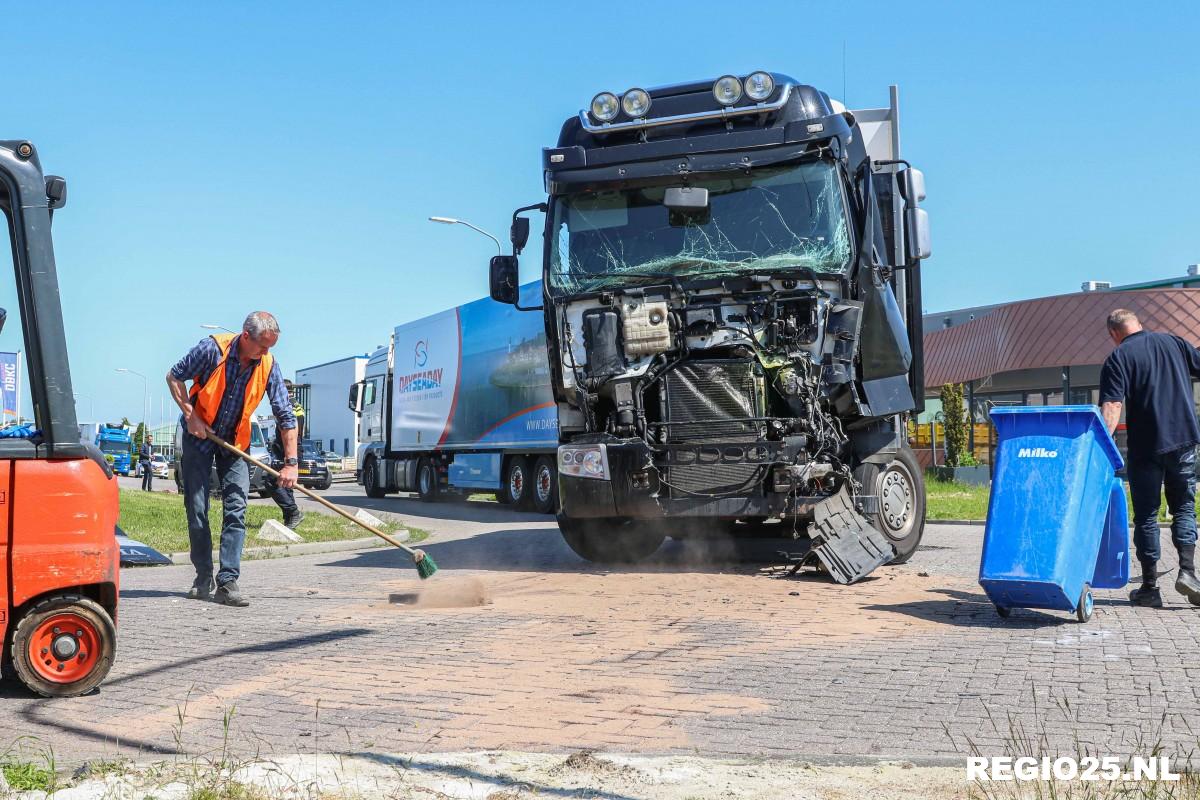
700, 650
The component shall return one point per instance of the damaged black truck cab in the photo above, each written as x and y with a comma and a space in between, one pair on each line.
731, 294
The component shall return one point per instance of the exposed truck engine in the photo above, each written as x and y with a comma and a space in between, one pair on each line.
731, 296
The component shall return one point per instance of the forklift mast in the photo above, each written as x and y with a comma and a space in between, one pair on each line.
28, 199
59, 559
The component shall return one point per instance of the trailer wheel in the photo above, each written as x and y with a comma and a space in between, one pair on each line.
371, 479
545, 485
610, 541
518, 483
900, 486
64, 646
427, 481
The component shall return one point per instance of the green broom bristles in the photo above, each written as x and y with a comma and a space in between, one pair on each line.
425, 566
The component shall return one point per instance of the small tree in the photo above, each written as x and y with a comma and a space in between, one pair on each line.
956, 424
137, 437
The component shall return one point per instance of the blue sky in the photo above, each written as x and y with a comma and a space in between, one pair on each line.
226, 157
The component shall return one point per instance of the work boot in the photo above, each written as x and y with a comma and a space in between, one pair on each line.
228, 594
202, 589
293, 519
1147, 594
1188, 585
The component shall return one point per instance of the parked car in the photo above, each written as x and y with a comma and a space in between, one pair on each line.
160, 465
332, 458
314, 471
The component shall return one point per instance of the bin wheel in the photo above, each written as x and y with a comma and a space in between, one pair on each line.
1084, 611
63, 646
1004, 611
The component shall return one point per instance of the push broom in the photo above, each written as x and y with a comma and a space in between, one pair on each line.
425, 565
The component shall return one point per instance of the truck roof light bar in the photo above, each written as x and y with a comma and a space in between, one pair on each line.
700, 116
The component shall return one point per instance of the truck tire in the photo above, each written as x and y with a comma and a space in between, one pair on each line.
545, 485
63, 646
372, 479
610, 541
427, 481
900, 486
518, 483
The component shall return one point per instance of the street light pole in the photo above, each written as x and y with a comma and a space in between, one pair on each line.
453, 221
145, 399
208, 326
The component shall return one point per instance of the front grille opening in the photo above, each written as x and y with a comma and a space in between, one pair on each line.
714, 401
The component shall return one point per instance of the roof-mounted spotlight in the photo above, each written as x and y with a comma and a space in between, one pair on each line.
727, 90
636, 102
605, 107
759, 86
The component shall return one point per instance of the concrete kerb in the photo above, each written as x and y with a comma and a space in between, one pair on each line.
285, 550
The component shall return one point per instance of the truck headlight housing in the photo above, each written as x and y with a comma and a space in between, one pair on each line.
584, 461
605, 107
636, 102
727, 90
759, 86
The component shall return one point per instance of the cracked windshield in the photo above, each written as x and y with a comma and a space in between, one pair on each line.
773, 218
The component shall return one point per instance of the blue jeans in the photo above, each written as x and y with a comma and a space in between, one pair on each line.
234, 477
1174, 472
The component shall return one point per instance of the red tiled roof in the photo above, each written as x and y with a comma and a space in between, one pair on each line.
1066, 330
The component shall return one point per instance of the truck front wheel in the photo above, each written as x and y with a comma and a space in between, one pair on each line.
372, 479
64, 646
900, 514
610, 541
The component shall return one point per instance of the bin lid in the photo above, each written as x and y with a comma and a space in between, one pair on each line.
1087, 417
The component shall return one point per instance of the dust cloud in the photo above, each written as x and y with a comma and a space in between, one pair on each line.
444, 593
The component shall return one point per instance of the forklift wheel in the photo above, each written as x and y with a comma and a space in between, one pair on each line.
64, 646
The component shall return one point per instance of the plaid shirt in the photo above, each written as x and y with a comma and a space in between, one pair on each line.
201, 360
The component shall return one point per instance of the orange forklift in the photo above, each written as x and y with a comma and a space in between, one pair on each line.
59, 567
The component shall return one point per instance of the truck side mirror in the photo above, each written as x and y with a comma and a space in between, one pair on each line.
518, 234
916, 233
503, 279
355, 388
912, 186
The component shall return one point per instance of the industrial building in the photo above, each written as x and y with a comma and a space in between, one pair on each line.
1044, 351
323, 390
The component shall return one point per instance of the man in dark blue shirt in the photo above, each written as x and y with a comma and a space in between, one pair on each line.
145, 463
1149, 375
230, 374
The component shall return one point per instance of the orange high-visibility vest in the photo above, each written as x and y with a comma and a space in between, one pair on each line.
206, 394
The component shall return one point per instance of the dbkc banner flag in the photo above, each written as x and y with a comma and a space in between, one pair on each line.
9, 383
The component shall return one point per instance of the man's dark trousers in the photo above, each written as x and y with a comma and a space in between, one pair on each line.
284, 498
147, 475
1149, 476
234, 478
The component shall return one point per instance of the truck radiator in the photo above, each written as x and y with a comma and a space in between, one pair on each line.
713, 402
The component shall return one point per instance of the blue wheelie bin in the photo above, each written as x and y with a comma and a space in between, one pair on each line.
1057, 525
